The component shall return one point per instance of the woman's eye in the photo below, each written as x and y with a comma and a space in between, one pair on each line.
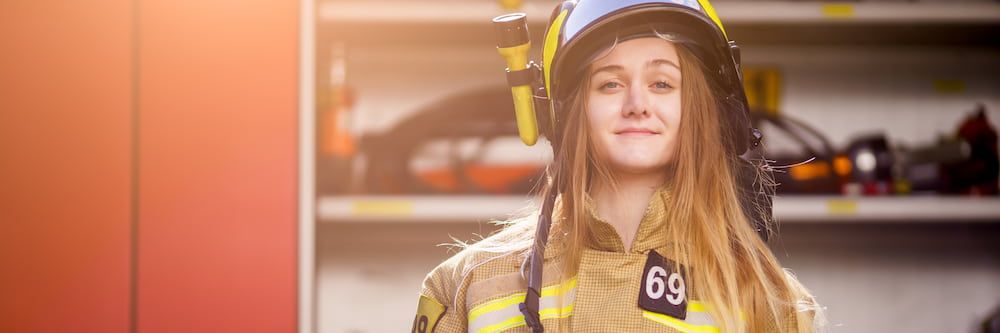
611, 85
662, 85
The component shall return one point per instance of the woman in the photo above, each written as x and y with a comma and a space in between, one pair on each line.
655, 218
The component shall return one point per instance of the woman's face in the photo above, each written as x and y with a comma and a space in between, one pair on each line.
634, 105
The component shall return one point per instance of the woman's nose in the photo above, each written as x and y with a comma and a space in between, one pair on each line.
636, 102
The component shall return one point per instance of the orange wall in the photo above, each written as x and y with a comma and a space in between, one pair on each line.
65, 141
218, 166
215, 94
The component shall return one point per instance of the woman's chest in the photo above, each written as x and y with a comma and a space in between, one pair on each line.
611, 292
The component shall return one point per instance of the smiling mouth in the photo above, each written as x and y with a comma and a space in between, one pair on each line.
636, 132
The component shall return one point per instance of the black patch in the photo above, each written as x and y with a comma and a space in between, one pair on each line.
663, 288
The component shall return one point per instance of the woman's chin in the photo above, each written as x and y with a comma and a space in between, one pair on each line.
639, 166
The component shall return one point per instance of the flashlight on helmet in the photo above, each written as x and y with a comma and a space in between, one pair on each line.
513, 43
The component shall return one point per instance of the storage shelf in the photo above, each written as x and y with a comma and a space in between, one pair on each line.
732, 12
789, 209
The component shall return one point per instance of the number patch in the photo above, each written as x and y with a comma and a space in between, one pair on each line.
663, 288
429, 312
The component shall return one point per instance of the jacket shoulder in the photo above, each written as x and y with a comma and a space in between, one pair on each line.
443, 294
494, 255
808, 315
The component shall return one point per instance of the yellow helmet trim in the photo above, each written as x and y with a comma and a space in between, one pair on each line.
549, 48
711, 14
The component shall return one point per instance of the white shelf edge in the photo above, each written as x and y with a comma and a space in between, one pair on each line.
437, 208
748, 12
810, 209
789, 209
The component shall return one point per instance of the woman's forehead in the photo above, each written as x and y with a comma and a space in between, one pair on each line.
639, 52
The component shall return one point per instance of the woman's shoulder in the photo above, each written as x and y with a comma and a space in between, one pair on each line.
808, 314
446, 290
499, 254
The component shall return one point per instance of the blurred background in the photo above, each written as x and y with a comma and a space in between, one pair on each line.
278, 166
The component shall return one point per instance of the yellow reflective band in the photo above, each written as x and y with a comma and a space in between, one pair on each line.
429, 311
510, 303
711, 14
556, 312
519, 320
678, 324
500, 303
695, 306
495, 305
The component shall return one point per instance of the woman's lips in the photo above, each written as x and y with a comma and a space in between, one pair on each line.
636, 132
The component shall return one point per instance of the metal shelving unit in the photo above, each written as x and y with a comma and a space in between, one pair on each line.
466, 23
870, 57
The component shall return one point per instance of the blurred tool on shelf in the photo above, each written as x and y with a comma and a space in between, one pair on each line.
963, 164
811, 171
453, 146
336, 132
978, 173
871, 163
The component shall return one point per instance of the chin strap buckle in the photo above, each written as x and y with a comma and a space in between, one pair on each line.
756, 136
531, 314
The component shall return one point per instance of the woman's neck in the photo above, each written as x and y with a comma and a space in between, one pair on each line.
625, 206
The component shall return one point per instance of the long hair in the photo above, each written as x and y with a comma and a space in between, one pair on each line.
729, 266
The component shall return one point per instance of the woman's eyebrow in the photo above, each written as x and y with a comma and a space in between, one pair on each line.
651, 63
608, 68
660, 62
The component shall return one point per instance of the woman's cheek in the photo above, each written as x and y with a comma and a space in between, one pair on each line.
600, 107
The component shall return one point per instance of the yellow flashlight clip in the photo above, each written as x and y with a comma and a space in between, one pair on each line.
513, 43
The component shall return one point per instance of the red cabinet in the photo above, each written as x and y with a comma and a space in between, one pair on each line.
148, 166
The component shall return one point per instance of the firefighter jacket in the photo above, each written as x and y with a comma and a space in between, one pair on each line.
614, 290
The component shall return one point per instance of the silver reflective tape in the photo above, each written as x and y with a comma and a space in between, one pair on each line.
552, 306
699, 318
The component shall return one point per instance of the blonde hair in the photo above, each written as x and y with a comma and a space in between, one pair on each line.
734, 270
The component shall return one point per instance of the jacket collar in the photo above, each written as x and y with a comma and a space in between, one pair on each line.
650, 235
